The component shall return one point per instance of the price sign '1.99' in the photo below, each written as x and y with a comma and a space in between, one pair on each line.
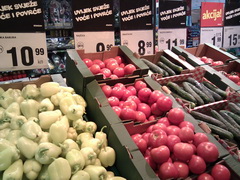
231, 37
22, 51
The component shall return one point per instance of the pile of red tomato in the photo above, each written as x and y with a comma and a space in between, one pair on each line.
210, 61
112, 68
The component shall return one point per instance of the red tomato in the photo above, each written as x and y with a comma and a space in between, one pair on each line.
128, 113
113, 101
129, 69
167, 171
113, 76
129, 104
157, 138
208, 151
106, 72
160, 126
205, 176
107, 60
121, 85
155, 110
186, 134
220, 172
99, 62
152, 118
187, 124
88, 62
234, 78
141, 144
160, 154
95, 69
182, 168
145, 136
139, 85
164, 120
134, 98
112, 65
176, 116
199, 138
132, 89
183, 151
136, 136
119, 71
107, 90
217, 63
164, 103
204, 59
122, 65
149, 160
145, 108
172, 140
140, 116
144, 93
117, 110
173, 130
118, 59
194, 148
126, 94
197, 165
117, 92
154, 96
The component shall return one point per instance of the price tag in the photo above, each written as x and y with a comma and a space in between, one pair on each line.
138, 41
19, 51
94, 41
211, 35
167, 38
231, 37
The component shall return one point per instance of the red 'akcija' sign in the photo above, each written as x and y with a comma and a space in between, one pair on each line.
212, 14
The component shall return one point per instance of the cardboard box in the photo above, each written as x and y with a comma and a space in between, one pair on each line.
174, 58
233, 165
78, 75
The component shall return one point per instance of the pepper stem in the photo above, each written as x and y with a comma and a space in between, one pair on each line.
103, 128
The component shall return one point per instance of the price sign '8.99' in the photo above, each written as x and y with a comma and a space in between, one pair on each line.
24, 53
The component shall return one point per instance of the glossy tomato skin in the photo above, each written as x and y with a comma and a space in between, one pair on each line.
139, 85
160, 154
145, 108
167, 170
140, 116
187, 124
199, 138
208, 151
157, 138
150, 161
117, 110
182, 168
186, 134
205, 176
113, 101
128, 114
183, 151
129, 69
220, 172
176, 116
141, 144
164, 103
173, 130
164, 120
172, 140
132, 89
197, 165
117, 92
107, 90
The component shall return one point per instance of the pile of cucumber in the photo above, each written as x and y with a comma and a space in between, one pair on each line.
196, 93
225, 122
164, 66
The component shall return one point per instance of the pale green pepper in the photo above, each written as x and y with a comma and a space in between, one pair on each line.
82, 137
31, 130
17, 122
15, 171
59, 169
1, 91
97, 162
13, 136
46, 152
83, 175
89, 155
6, 99
49, 88
75, 111
96, 172
45, 137
117, 178
102, 136
67, 89
12, 110
4, 133
46, 105
43, 174
79, 125
47, 118
79, 100
8, 154
56, 98
29, 108
17, 95
72, 133
110, 174
31, 168
67, 146
65, 121
3, 122
27, 147
76, 160
58, 132
30, 91
65, 103
94, 143
107, 156
90, 127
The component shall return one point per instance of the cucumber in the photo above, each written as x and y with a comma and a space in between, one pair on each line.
215, 89
230, 120
166, 68
153, 67
199, 86
208, 119
220, 131
192, 104
216, 96
181, 92
173, 66
234, 108
229, 126
233, 116
193, 93
204, 97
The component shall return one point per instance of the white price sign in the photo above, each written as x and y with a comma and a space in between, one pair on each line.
211, 35
231, 36
20, 51
140, 41
167, 38
94, 41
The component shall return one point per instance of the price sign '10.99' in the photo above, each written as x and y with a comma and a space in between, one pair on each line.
20, 51
231, 37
